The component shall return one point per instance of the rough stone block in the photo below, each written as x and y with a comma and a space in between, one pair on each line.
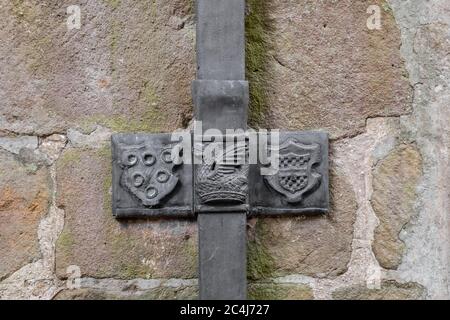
24, 200
125, 74
276, 291
335, 72
106, 248
389, 290
394, 194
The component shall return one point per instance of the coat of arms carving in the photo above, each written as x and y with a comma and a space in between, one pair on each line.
147, 173
296, 176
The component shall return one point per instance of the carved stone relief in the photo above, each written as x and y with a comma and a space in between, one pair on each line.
147, 173
296, 175
222, 178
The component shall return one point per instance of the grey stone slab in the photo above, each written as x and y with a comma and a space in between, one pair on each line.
15, 144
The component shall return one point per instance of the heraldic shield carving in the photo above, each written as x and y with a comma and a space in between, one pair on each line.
296, 176
147, 173
150, 178
145, 168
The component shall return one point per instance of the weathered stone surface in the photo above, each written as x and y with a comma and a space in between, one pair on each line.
161, 293
425, 47
256, 291
318, 246
394, 193
15, 144
390, 290
327, 70
126, 74
106, 248
24, 200
276, 291
52, 146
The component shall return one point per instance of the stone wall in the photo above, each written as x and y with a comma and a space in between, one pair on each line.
383, 95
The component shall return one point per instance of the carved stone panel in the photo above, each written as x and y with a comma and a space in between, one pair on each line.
300, 182
146, 181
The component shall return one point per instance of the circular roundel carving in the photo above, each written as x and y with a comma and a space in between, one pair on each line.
166, 156
148, 159
151, 192
130, 159
138, 180
162, 176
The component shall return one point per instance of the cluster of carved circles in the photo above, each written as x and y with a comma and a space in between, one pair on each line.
147, 173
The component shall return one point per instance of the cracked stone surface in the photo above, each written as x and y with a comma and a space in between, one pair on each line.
425, 28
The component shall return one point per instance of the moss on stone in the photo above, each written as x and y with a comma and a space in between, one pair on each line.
69, 156
165, 293
39, 46
152, 120
65, 243
132, 271
114, 35
149, 95
395, 180
191, 7
260, 264
276, 291
114, 4
257, 28
387, 8
389, 290
22, 10
264, 291
191, 248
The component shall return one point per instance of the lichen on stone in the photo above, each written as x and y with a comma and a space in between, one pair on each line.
114, 4
260, 264
394, 193
257, 29
277, 291
388, 290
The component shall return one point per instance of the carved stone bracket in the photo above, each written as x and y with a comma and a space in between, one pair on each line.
147, 182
